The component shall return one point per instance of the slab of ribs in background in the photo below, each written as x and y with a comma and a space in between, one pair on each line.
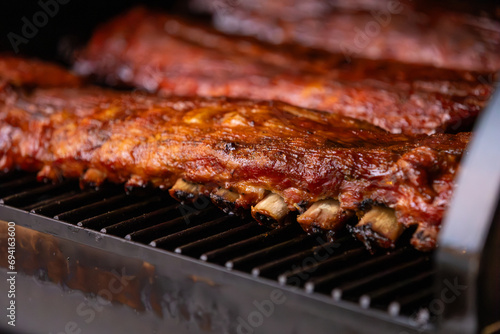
160, 53
286, 133
419, 32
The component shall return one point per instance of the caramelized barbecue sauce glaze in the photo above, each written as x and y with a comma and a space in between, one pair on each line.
159, 53
241, 145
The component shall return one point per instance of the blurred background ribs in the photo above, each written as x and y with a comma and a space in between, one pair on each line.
160, 53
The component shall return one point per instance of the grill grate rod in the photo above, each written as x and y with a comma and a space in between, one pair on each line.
143, 221
168, 227
387, 276
93, 209
212, 227
386, 294
54, 207
198, 247
409, 303
399, 282
326, 283
250, 260
226, 253
319, 267
274, 268
17, 185
27, 197
112, 217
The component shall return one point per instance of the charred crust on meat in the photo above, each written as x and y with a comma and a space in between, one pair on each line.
371, 239
266, 220
378, 227
184, 196
226, 201
228, 147
366, 204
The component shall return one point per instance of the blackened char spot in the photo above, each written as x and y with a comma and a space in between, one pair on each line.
225, 205
303, 205
266, 220
228, 147
370, 238
182, 196
366, 204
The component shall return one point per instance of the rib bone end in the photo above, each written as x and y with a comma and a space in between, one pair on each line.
226, 200
272, 210
184, 191
378, 226
324, 215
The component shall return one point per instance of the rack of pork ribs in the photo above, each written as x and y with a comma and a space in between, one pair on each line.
156, 52
451, 34
280, 162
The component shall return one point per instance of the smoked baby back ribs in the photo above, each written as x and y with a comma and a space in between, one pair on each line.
421, 32
272, 158
160, 53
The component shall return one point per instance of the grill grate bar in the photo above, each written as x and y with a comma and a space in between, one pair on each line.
224, 254
325, 283
72, 201
399, 282
248, 261
19, 184
37, 194
318, 266
145, 220
114, 216
274, 268
212, 227
384, 295
51, 200
151, 233
234, 235
409, 303
350, 290
94, 209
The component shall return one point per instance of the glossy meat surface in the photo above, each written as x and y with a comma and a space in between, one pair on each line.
156, 52
422, 32
250, 148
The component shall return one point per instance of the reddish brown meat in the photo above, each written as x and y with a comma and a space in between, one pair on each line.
156, 52
419, 32
18, 71
250, 148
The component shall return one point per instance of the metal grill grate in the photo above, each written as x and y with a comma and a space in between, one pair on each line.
399, 282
